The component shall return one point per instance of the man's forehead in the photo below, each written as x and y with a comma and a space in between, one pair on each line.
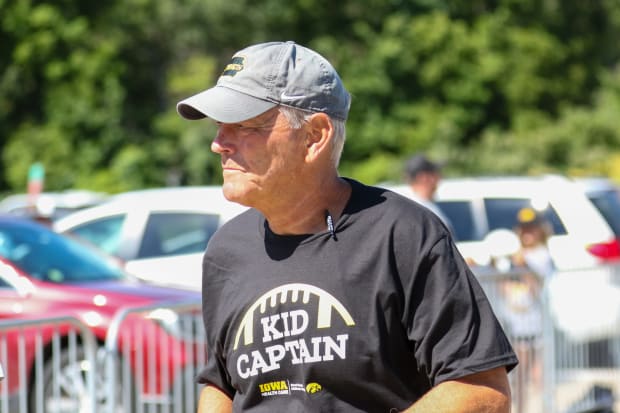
271, 114
264, 117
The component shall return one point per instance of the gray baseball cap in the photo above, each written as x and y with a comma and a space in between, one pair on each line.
265, 75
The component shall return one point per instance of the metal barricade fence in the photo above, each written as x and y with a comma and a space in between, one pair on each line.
566, 332
48, 366
152, 367
148, 362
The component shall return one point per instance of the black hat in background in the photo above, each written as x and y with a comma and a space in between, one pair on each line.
420, 163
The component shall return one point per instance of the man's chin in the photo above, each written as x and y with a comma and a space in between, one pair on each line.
235, 193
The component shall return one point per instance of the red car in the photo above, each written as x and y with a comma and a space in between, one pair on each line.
44, 274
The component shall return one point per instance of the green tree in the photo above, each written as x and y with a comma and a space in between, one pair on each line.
60, 92
491, 86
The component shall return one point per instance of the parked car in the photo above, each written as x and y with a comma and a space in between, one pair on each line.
160, 234
50, 205
584, 214
44, 274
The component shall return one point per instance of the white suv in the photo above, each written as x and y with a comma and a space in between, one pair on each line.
584, 213
585, 216
159, 234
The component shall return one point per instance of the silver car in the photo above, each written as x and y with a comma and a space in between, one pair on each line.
159, 234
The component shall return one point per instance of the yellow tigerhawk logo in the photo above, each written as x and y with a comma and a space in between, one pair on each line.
313, 388
236, 65
293, 322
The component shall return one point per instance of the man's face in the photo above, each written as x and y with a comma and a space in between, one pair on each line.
261, 158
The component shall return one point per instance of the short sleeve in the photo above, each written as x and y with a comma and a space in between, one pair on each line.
215, 373
453, 330
218, 288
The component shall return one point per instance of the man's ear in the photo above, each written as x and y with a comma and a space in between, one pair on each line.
319, 136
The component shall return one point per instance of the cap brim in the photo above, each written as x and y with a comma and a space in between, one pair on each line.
223, 105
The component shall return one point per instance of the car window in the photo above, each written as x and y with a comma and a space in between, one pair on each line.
105, 233
52, 257
502, 213
169, 234
460, 214
608, 204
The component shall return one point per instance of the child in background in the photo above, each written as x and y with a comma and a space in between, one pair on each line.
533, 232
523, 298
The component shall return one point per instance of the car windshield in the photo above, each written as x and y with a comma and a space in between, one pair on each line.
48, 256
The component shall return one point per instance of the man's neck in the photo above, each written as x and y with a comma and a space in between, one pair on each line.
304, 212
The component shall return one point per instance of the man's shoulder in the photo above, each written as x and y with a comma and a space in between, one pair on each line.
386, 199
391, 209
242, 217
237, 228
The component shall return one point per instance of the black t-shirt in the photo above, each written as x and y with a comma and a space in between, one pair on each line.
368, 320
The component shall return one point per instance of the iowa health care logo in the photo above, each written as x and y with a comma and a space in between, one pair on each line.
286, 328
283, 387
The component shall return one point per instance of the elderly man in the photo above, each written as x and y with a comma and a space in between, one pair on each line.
329, 295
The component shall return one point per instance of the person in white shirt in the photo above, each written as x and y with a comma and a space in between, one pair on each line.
423, 177
525, 320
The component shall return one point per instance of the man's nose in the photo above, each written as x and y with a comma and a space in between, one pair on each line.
224, 140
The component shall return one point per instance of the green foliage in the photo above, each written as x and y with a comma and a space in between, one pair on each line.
61, 94
490, 86
581, 141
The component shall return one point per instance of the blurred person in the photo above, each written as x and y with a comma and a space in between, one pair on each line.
523, 303
423, 177
327, 294
533, 232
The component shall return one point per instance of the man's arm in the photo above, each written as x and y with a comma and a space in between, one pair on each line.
485, 392
213, 400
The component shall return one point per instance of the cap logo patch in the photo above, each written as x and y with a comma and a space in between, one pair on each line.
235, 66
